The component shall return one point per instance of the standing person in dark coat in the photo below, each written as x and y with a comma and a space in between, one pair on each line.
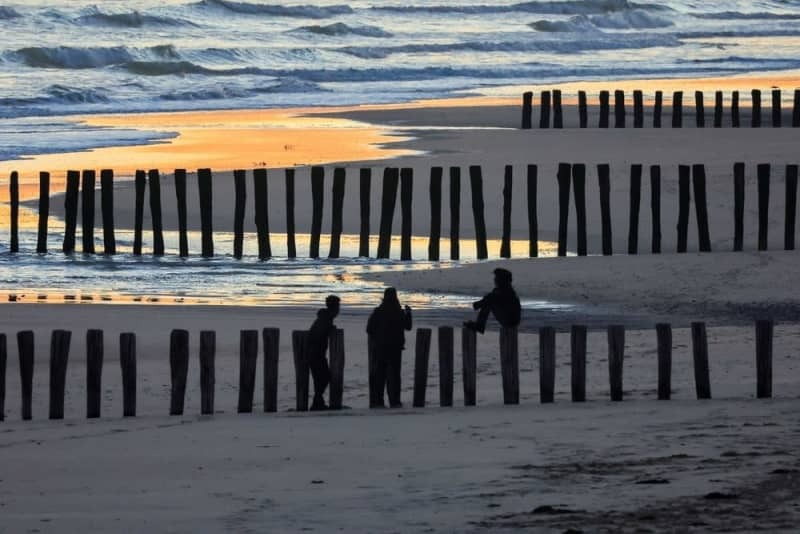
502, 302
386, 329
316, 347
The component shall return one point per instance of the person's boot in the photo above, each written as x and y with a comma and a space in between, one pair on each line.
318, 404
472, 325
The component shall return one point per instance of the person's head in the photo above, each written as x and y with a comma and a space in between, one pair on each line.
390, 297
502, 277
332, 303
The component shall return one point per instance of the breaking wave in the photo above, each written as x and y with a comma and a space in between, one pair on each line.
67, 57
565, 7
340, 28
133, 19
276, 10
7, 13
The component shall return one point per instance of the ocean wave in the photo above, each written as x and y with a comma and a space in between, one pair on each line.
304, 11
636, 19
737, 15
579, 23
7, 13
710, 34
67, 57
339, 28
290, 85
132, 19
565, 7
76, 95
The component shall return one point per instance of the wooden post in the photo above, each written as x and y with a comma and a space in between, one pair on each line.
206, 212
563, 177
658, 106
248, 358
700, 351
107, 208
3, 361
736, 120
700, 110
763, 205
59, 356
154, 179
180, 194
291, 246
436, 213
583, 113
364, 194
476, 181
776, 108
505, 244
547, 364
127, 363
764, 331
718, 109
527, 109
638, 109
604, 109
738, 206
87, 210
240, 187
655, 207
44, 211
337, 213
619, 109
406, 198
26, 360
509, 364
796, 110
261, 194
301, 369
616, 357
677, 109
272, 347
71, 210
755, 119
701, 208
684, 197
208, 349
140, 183
94, 372
578, 362
558, 112
791, 207
388, 201
422, 350
455, 212
179, 369
635, 204
664, 335
579, 182
14, 200
533, 218
318, 203
604, 178
469, 358
544, 118
445, 366
337, 359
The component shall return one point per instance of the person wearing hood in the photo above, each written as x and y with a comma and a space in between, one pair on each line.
316, 348
386, 330
502, 302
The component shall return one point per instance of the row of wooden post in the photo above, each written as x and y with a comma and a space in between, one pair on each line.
248, 360
620, 113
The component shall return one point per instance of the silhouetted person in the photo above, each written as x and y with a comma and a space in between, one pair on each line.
316, 347
502, 302
386, 329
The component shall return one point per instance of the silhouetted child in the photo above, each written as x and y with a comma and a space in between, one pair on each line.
386, 329
502, 302
316, 347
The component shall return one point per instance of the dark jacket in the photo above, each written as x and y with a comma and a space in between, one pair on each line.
319, 332
387, 324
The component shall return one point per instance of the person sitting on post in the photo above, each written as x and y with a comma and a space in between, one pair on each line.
502, 302
318, 336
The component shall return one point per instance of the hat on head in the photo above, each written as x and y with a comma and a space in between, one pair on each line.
504, 275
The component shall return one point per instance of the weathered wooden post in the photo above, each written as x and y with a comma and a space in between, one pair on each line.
509, 364
240, 188
388, 201
291, 245
446, 338
476, 181
208, 349
59, 356
755, 119
558, 112
337, 359
619, 109
44, 212
763, 205
677, 109
664, 336
248, 358
14, 200
796, 110
337, 212
206, 213
738, 206
422, 350
544, 118
435, 193
107, 208
127, 363
718, 109
154, 181
469, 358
658, 106
527, 109
701, 207
616, 357
684, 197
406, 198
94, 372
87, 210
764, 331
699, 110
547, 364
301, 369
508, 180
180, 195
579, 182
71, 210
179, 369
533, 218
700, 351
638, 109
317, 203
604, 179
578, 362
655, 207
261, 194
564, 176
455, 212
791, 207
25, 346
635, 204
583, 113
3, 360
365, 189
272, 347
140, 183
736, 119
604, 109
